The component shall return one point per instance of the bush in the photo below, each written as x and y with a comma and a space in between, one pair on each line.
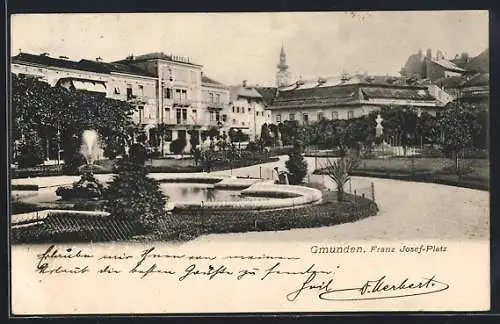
178, 145
30, 152
134, 197
71, 166
296, 164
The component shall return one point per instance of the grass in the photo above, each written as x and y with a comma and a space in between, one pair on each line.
474, 172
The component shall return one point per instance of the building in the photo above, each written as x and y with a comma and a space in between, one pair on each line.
428, 67
349, 97
112, 80
215, 100
248, 111
166, 90
179, 104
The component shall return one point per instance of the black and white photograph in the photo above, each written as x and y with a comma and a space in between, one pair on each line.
176, 163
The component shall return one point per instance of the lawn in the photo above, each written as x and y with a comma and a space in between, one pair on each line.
475, 172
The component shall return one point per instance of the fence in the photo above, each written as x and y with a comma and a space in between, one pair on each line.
357, 187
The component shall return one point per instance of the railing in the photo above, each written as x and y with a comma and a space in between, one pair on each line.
182, 102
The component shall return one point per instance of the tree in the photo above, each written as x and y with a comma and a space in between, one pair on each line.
266, 135
30, 152
457, 123
55, 110
177, 146
296, 164
133, 196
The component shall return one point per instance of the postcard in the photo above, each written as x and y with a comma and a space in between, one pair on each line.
180, 163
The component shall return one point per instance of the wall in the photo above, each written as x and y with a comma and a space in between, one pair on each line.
209, 95
249, 115
328, 113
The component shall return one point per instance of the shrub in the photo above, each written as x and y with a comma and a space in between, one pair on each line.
71, 166
339, 171
178, 145
30, 152
133, 196
296, 164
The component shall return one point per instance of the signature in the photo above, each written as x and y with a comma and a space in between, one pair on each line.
381, 288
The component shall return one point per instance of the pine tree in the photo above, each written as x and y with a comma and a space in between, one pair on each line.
296, 164
135, 197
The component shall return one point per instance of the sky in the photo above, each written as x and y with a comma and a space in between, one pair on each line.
245, 46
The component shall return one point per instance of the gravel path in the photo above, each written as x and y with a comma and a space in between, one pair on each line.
408, 210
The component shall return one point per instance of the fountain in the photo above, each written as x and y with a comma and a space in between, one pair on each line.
90, 150
88, 187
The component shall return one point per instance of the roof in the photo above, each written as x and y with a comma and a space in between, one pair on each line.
350, 79
268, 94
46, 60
82, 65
157, 56
245, 92
388, 93
205, 79
448, 65
451, 82
349, 94
480, 79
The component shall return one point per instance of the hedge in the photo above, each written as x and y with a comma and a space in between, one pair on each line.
186, 225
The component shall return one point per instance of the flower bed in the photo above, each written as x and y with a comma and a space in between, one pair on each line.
189, 225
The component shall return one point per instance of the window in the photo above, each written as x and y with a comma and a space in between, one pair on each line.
130, 95
167, 93
237, 109
243, 109
211, 96
350, 114
335, 115
181, 134
320, 115
141, 113
178, 115
184, 95
195, 112
278, 118
178, 94
168, 135
234, 121
217, 98
233, 108
224, 118
117, 91
184, 114
141, 90
217, 116
249, 109
243, 123
292, 117
305, 118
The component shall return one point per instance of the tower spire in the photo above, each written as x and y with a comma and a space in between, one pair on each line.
282, 76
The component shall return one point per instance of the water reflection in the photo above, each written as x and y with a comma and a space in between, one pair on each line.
194, 192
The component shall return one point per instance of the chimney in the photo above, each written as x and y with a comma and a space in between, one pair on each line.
244, 83
98, 59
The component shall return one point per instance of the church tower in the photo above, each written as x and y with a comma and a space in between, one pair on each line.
282, 76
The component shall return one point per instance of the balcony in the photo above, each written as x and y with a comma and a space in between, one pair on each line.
137, 100
215, 105
216, 123
179, 102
